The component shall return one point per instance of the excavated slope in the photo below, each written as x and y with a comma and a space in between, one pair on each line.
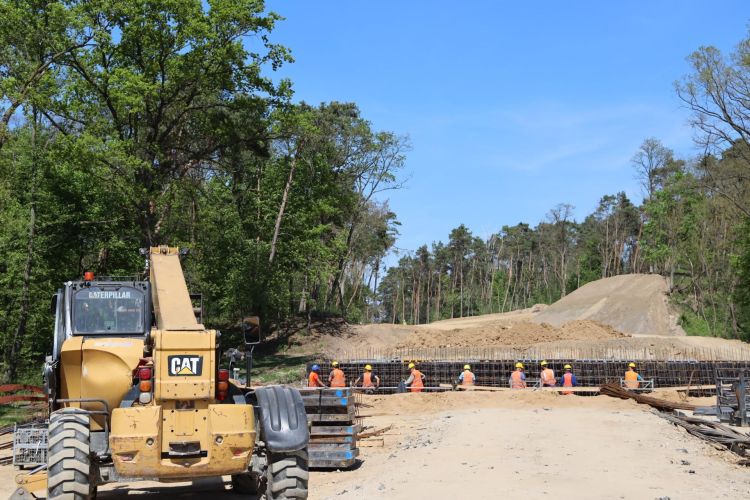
635, 304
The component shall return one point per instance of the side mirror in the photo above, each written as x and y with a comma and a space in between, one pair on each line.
251, 330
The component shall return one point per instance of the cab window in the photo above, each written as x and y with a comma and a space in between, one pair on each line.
108, 310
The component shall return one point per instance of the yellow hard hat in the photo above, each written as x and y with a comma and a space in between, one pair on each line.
544, 363
368, 368
519, 365
467, 367
631, 365
412, 365
334, 363
568, 367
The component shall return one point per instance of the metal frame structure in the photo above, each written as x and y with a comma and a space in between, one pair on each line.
733, 395
643, 385
589, 372
30, 445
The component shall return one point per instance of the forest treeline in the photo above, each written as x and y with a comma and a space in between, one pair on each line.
130, 123
692, 227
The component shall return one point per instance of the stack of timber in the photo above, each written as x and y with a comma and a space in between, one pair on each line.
332, 415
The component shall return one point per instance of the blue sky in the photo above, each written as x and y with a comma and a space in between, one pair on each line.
511, 109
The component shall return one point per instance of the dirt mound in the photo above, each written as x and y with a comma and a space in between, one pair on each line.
435, 402
595, 321
636, 304
504, 333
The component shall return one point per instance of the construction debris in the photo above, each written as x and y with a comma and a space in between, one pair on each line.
372, 443
377, 432
614, 390
714, 432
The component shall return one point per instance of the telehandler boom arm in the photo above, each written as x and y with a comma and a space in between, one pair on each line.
173, 308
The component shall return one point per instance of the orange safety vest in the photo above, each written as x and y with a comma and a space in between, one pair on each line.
567, 381
631, 379
468, 378
367, 380
314, 380
516, 381
338, 379
417, 385
548, 377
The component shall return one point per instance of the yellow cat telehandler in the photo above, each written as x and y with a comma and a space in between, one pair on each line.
136, 392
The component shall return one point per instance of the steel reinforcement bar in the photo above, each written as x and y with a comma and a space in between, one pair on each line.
495, 373
609, 350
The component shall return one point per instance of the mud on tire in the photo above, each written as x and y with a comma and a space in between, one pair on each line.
69, 456
287, 475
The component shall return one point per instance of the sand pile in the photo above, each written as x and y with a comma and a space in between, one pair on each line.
636, 304
426, 403
502, 333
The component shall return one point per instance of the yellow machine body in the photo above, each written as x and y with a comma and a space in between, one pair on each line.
98, 368
141, 435
145, 439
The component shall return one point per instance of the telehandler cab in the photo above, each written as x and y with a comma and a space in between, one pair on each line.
136, 392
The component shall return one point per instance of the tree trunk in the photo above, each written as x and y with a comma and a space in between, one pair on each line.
282, 207
563, 275
377, 275
15, 350
461, 312
429, 282
357, 285
12, 360
342, 263
439, 297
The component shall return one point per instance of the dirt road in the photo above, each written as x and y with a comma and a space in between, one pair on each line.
463, 445
510, 445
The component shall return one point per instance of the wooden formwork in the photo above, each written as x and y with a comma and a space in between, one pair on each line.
332, 414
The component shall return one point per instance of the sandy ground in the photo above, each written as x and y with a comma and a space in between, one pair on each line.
510, 445
463, 445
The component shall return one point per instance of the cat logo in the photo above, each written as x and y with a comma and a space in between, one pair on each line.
185, 365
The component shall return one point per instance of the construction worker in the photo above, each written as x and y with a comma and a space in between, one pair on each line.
314, 379
517, 378
337, 377
632, 379
467, 378
415, 380
547, 377
568, 379
370, 381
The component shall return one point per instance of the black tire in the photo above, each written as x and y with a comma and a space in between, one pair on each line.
69, 456
287, 475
